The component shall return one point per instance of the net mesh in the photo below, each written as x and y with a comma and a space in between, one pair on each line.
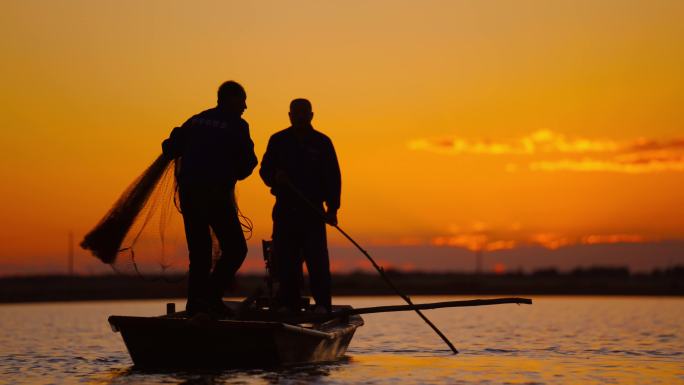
142, 234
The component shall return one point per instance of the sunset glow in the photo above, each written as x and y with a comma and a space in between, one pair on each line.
479, 126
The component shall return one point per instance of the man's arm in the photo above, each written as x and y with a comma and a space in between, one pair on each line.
267, 170
172, 147
333, 183
247, 160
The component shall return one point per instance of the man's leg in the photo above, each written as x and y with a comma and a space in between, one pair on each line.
317, 262
199, 250
226, 226
287, 252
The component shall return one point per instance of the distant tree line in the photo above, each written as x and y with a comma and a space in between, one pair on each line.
598, 280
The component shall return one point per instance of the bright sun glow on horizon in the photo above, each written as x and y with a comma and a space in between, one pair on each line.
491, 126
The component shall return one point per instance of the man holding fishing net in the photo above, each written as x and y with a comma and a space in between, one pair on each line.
213, 150
300, 166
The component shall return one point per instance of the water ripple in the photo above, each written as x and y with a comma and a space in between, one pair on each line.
556, 341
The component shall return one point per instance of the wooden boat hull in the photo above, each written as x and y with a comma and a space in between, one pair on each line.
168, 342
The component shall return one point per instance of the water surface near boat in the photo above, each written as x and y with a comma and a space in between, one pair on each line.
558, 340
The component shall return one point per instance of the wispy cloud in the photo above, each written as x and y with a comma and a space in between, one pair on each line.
490, 239
654, 145
612, 238
636, 156
555, 241
477, 236
611, 165
475, 242
550, 241
541, 141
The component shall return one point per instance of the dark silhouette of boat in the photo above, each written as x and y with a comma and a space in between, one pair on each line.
255, 338
256, 335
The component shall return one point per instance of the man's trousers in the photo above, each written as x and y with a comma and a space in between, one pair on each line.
207, 209
296, 241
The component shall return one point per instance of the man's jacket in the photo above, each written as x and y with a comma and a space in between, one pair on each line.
309, 162
214, 148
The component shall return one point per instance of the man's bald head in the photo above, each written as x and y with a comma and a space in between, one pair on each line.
301, 112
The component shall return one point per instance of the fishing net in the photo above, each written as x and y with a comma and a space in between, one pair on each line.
142, 234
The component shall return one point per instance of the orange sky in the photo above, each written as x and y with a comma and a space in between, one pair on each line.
490, 125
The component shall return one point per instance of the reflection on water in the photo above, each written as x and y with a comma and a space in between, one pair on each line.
305, 374
558, 340
379, 368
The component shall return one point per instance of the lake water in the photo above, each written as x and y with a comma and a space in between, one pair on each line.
558, 340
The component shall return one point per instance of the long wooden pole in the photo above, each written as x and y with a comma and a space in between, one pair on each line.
434, 305
377, 267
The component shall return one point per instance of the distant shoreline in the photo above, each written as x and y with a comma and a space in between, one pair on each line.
594, 281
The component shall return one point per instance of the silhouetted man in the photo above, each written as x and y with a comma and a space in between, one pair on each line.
213, 151
304, 159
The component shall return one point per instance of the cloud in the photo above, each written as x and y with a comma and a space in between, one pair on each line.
479, 237
638, 159
501, 245
554, 241
636, 156
541, 141
507, 239
611, 165
643, 144
468, 241
612, 238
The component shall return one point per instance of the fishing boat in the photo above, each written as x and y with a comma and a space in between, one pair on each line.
255, 338
257, 335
